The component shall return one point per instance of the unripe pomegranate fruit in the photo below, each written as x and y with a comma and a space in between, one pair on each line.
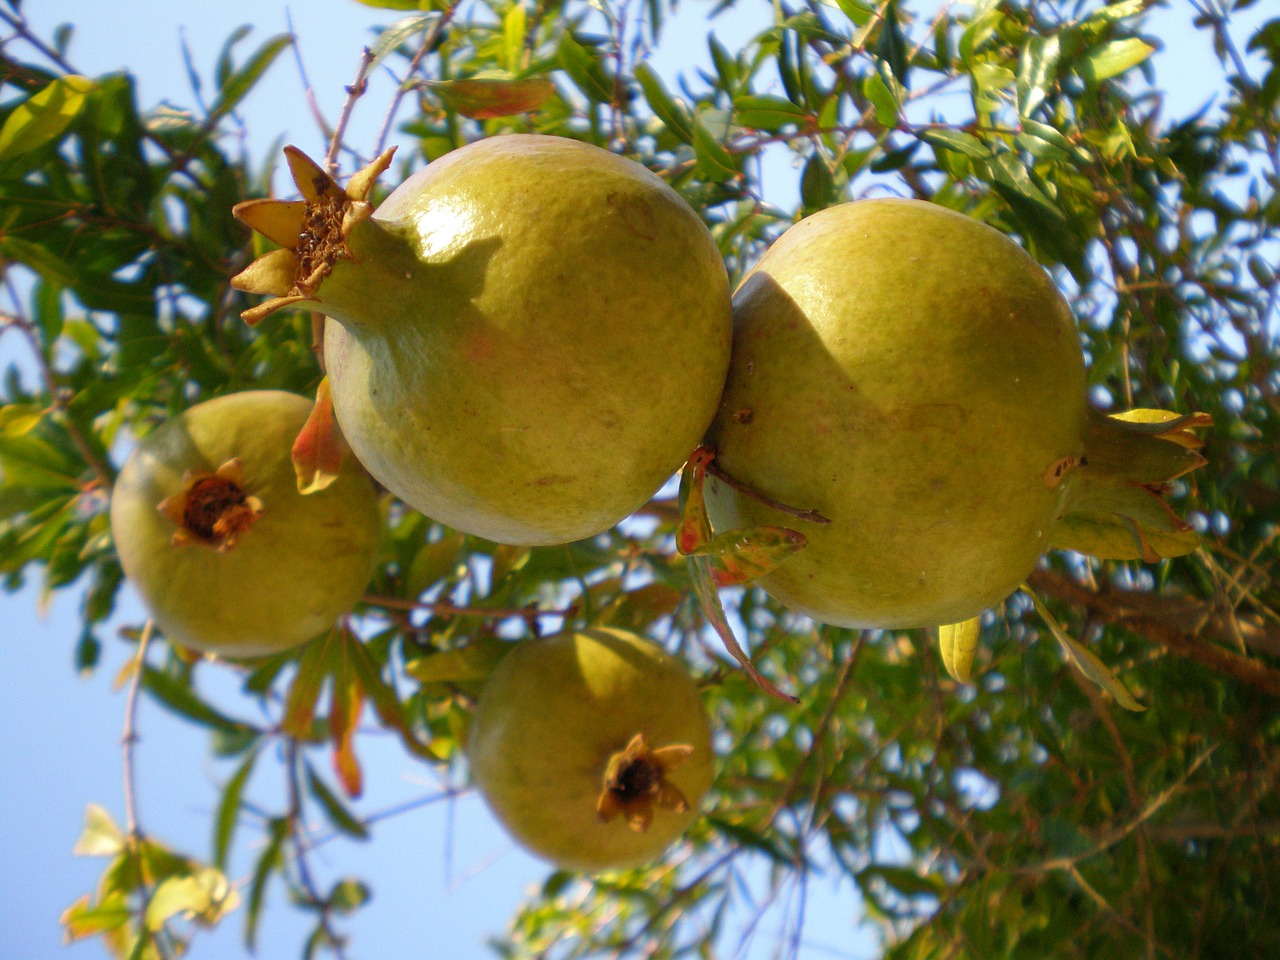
227, 555
526, 339
914, 376
592, 748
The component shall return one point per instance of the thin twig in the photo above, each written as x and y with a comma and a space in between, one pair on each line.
428, 42
813, 516
445, 608
354, 93
23, 30
129, 737
302, 846
308, 90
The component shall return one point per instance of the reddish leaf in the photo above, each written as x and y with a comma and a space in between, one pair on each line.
740, 556
695, 526
319, 448
713, 610
487, 98
344, 718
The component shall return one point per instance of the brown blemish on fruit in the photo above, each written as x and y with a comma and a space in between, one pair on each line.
213, 508
1054, 473
744, 416
636, 784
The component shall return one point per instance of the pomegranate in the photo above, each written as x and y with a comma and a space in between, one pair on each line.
227, 555
915, 377
526, 339
593, 748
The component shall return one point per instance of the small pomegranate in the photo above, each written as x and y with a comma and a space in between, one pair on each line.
526, 339
592, 748
227, 555
915, 377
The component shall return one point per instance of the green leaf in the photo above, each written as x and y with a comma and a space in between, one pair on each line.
714, 161
958, 643
182, 700
905, 881
101, 837
229, 810
1113, 58
393, 4
766, 112
673, 113
348, 895
44, 115
334, 809
1084, 659
468, 664
390, 39
957, 140
269, 861
883, 98
585, 69
1037, 71
817, 185
51, 268
243, 80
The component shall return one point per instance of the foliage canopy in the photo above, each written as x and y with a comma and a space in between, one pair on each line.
1024, 815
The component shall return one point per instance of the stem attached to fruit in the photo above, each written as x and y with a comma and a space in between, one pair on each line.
636, 784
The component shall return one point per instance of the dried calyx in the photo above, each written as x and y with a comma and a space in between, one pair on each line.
313, 232
213, 508
636, 784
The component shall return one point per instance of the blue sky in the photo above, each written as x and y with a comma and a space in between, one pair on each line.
444, 876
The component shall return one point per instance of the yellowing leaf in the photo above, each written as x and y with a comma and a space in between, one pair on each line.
205, 896
101, 836
740, 556
958, 643
1114, 58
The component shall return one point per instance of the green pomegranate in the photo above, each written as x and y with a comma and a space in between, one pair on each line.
526, 339
592, 748
915, 377
227, 555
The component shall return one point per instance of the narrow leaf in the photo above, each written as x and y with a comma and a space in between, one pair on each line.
268, 862
666, 108
393, 36
334, 809
304, 691
766, 112
344, 718
229, 810
1084, 659
957, 140
386, 704
713, 611
243, 80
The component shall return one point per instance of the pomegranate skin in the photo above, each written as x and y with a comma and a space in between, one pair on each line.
913, 375
287, 577
546, 355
